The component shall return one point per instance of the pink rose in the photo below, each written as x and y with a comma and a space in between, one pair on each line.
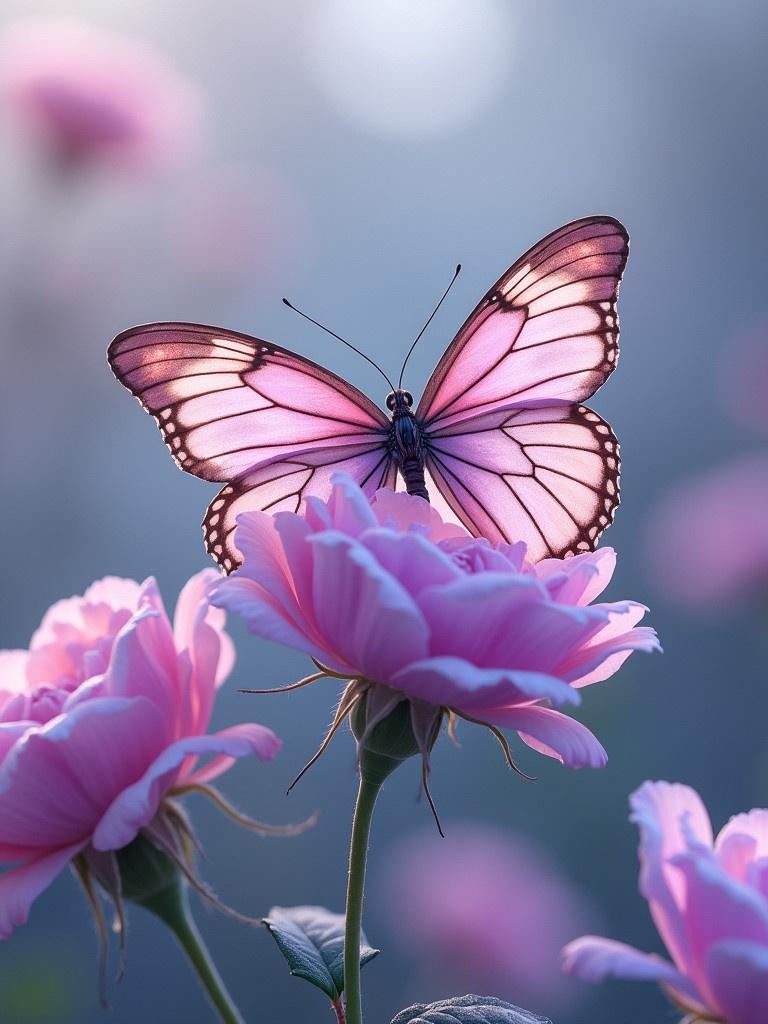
709, 900
100, 720
90, 97
389, 594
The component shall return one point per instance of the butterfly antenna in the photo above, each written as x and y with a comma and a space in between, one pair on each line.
429, 321
333, 334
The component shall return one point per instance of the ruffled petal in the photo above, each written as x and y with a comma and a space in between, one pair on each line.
349, 508
744, 839
411, 559
594, 958
10, 732
658, 809
738, 977
21, 886
578, 580
551, 733
363, 613
494, 618
611, 645
144, 663
456, 683
58, 779
137, 804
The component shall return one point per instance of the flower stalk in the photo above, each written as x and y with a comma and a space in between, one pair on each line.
370, 786
171, 905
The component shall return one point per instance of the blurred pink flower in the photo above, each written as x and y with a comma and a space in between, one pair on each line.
485, 911
387, 593
100, 720
90, 97
743, 377
709, 900
707, 539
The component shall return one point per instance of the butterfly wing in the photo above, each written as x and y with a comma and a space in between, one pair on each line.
226, 402
270, 424
546, 333
547, 476
510, 448
283, 485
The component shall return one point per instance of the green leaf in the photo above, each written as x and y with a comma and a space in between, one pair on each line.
312, 941
468, 1010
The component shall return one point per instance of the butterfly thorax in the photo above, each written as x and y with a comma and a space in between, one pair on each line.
406, 442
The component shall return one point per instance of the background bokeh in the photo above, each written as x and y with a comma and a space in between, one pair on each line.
350, 154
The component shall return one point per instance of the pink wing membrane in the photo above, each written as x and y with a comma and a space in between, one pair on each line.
510, 448
548, 476
545, 334
226, 402
283, 485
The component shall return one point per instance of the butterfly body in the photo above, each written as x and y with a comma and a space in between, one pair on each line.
499, 441
407, 442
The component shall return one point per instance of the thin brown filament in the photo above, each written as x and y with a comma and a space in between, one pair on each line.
502, 740
425, 784
293, 686
242, 819
345, 706
86, 880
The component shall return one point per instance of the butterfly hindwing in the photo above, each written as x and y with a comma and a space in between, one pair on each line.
282, 486
547, 476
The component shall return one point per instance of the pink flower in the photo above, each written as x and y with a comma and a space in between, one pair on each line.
101, 719
709, 900
484, 911
707, 540
90, 97
388, 594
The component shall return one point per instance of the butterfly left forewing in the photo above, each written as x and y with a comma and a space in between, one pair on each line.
226, 402
270, 424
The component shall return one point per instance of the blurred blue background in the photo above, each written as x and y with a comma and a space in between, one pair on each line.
352, 153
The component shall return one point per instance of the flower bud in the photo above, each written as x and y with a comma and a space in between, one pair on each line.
390, 728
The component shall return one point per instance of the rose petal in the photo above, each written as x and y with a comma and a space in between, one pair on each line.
454, 682
137, 804
366, 617
21, 886
738, 976
57, 781
551, 733
658, 809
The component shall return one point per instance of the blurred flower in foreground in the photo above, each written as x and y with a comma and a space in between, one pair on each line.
709, 900
393, 67
484, 911
88, 97
410, 608
707, 540
102, 721
743, 377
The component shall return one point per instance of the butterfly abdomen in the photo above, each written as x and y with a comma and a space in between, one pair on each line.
407, 443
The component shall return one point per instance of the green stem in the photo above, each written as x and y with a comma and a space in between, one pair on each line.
370, 784
171, 905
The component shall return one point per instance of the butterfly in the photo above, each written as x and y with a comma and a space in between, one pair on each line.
499, 442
